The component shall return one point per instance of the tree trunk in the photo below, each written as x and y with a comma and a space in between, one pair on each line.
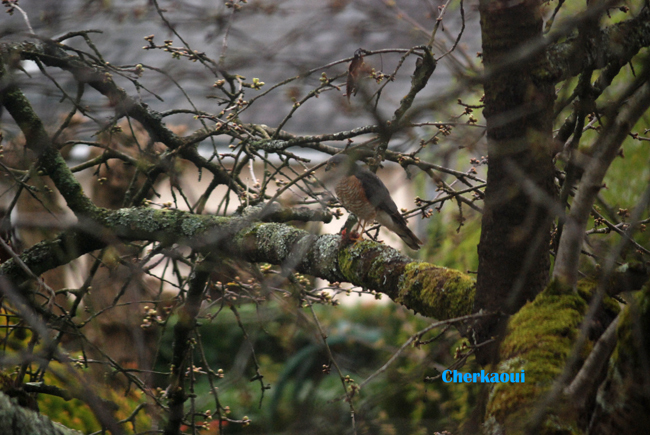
513, 250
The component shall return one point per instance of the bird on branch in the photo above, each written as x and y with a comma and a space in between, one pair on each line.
361, 192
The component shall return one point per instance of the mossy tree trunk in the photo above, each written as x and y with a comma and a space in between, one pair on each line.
552, 336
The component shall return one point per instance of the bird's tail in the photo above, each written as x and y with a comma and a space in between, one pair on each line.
397, 224
409, 238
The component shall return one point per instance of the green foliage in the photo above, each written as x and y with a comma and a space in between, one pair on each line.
452, 238
73, 413
303, 396
77, 415
451, 247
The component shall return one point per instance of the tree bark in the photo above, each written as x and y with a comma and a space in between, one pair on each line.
513, 250
16, 420
623, 399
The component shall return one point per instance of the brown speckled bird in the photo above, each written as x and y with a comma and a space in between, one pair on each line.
364, 194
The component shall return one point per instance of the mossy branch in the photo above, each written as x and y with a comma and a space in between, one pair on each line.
427, 289
37, 140
17, 420
614, 45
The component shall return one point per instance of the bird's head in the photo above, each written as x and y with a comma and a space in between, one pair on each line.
341, 163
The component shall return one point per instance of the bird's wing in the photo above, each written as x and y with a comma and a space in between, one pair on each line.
387, 213
378, 194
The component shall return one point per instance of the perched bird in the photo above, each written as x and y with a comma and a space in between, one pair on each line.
354, 71
364, 194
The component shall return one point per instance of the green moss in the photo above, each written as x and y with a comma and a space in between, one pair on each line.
636, 317
147, 219
246, 238
275, 239
538, 340
378, 271
587, 287
432, 291
191, 227
349, 257
324, 251
436, 292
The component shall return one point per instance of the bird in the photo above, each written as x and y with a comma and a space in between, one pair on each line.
363, 193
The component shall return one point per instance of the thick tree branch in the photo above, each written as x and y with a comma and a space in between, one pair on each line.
275, 212
16, 420
613, 45
427, 289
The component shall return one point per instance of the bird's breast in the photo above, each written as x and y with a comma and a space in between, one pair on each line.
352, 195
